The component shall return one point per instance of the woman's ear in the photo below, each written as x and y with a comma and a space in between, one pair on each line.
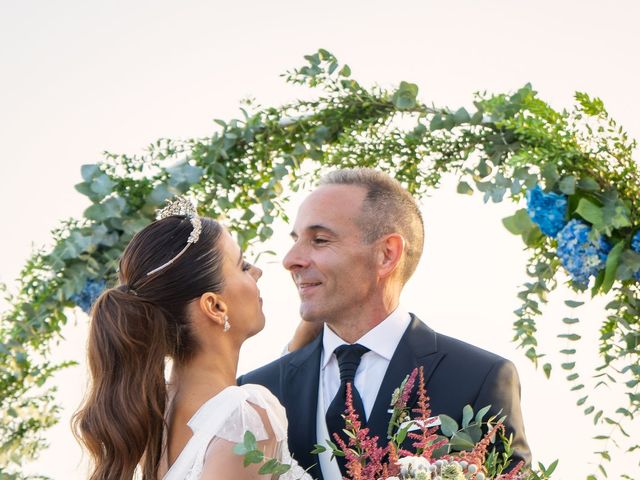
213, 307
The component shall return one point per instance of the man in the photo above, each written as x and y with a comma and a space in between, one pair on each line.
357, 240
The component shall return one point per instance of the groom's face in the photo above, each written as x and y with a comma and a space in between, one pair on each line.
334, 270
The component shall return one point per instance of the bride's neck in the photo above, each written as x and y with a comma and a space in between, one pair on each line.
207, 373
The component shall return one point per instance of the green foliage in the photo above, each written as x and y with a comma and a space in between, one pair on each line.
504, 147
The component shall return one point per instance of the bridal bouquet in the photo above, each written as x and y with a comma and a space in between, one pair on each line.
433, 456
439, 449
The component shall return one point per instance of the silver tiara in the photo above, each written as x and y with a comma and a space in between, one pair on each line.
181, 206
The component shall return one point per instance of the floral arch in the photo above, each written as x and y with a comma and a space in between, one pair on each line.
574, 169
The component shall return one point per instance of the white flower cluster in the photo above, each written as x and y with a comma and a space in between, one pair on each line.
419, 468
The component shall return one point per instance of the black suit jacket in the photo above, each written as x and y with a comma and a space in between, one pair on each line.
456, 373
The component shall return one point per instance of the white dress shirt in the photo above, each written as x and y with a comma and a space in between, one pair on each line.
381, 342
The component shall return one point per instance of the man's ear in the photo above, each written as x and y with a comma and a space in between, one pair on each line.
213, 307
391, 251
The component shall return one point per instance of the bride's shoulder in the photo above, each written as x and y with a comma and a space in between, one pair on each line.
239, 408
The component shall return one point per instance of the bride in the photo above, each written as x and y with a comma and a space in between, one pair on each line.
187, 294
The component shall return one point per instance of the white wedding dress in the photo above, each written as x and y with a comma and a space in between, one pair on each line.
221, 422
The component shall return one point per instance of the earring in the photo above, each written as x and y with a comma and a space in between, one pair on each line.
227, 325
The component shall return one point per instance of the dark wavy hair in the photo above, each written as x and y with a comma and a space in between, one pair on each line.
134, 328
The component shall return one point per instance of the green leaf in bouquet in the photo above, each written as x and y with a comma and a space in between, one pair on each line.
475, 432
349, 433
467, 415
254, 456
318, 449
334, 448
443, 450
268, 466
281, 468
461, 441
273, 467
448, 425
250, 442
481, 413
402, 433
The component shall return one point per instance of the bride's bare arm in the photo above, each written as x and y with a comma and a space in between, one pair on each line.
222, 464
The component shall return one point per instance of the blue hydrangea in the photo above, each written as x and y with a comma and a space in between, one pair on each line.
89, 294
547, 210
581, 256
635, 246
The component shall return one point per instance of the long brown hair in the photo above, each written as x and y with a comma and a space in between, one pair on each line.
134, 328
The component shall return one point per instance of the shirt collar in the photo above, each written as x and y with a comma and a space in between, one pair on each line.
382, 339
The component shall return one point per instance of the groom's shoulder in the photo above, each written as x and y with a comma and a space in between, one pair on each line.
454, 348
272, 374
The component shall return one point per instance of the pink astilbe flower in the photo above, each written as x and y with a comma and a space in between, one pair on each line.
514, 474
363, 456
479, 452
406, 391
391, 468
425, 442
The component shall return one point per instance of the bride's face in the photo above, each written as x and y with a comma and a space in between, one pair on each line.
241, 293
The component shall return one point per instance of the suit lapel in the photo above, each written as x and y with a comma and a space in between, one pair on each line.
302, 375
418, 346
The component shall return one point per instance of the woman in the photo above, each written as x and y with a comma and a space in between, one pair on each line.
187, 294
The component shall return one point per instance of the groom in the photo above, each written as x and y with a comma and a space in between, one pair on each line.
357, 240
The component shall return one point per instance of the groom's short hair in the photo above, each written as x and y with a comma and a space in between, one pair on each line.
387, 208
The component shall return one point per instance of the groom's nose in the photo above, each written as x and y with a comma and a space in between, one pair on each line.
295, 258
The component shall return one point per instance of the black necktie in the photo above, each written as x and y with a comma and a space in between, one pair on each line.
348, 360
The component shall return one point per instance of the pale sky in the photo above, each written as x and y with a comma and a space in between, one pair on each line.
81, 77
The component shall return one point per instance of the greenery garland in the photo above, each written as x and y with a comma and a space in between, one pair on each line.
575, 169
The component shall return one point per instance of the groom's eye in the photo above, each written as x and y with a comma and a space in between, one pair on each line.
320, 240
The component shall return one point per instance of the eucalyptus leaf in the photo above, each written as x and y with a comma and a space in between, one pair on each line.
102, 185
481, 413
448, 425
461, 441
467, 415
405, 97
89, 171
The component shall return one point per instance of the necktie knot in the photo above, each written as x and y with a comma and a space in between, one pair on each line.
349, 357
